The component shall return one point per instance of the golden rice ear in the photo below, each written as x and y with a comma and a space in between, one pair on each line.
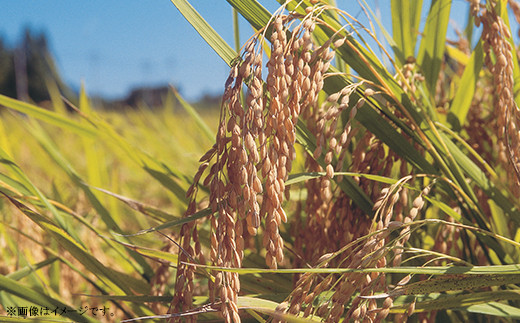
496, 37
259, 135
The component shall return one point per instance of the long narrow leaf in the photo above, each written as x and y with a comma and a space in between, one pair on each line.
433, 42
13, 287
462, 100
405, 24
206, 31
47, 116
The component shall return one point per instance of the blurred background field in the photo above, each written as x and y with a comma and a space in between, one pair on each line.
45, 159
56, 162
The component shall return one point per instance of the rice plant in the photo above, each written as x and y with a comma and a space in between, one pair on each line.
353, 174
405, 167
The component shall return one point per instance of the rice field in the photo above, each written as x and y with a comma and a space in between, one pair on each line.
346, 177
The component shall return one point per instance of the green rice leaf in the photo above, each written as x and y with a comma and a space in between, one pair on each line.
22, 177
252, 11
433, 42
22, 272
406, 15
455, 282
475, 302
205, 30
109, 277
499, 270
198, 215
133, 298
467, 84
496, 309
13, 184
139, 206
36, 297
195, 115
47, 116
55, 154
53, 151
301, 177
152, 253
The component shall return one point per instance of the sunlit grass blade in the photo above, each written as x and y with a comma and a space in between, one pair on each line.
498, 271
466, 87
167, 176
133, 298
302, 177
47, 116
433, 42
108, 276
94, 158
36, 297
205, 30
54, 93
194, 114
13, 185
406, 15
154, 254
480, 178
252, 11
47, 143
455, 282
80, 271
140, 207
198, 215
24, 180
504, 14
495, 309
22, 272
478, 302
111, 224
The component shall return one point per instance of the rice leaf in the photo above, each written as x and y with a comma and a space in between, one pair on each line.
477, 302
47, 116
455, 282
15, 187
503, 13
495, 309
152, 253
482, 180
252, 11
22, 272
433, 42
22, 177
406, 15
205, 30
139, 206
467, 84
195, 115
36, 297
106, 275
495, 272
133, 298
301, 177
53, 151
198, 215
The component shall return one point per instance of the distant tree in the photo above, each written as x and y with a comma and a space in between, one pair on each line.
25, 71
7, 84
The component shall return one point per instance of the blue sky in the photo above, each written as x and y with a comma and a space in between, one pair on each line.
115, 45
